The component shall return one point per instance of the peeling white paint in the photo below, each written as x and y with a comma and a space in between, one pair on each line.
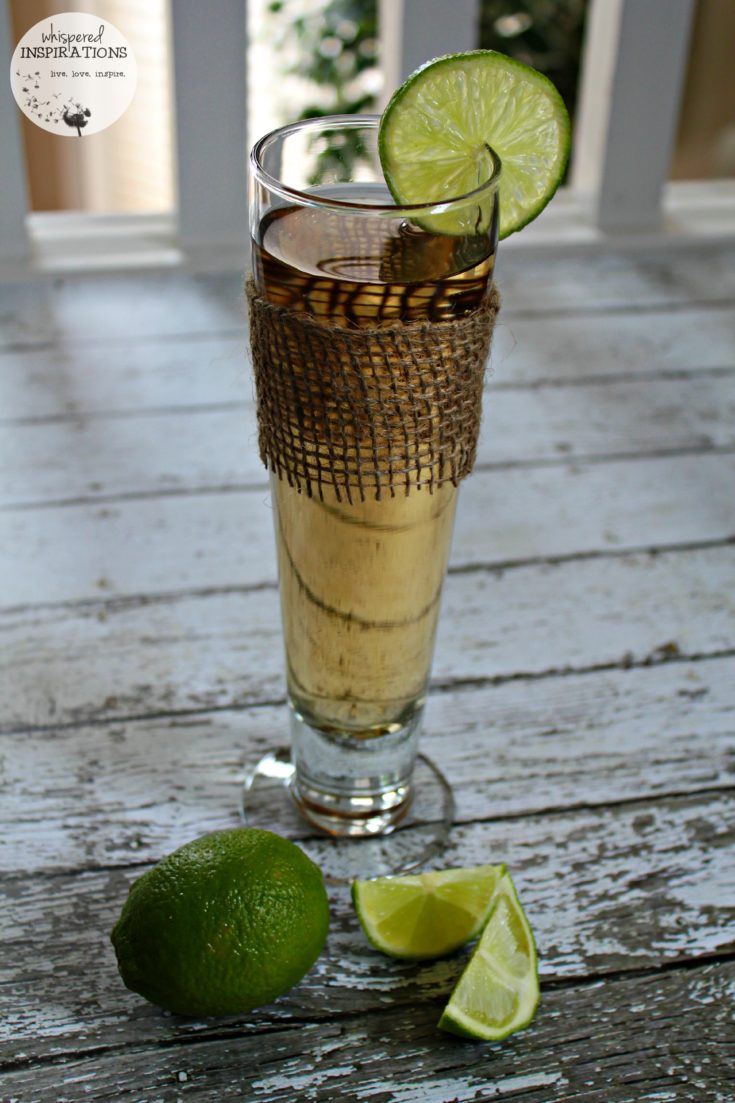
606, 889
534, 1080
439, 1090
305, 1084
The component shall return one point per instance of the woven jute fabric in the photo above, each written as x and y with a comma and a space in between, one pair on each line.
368, 412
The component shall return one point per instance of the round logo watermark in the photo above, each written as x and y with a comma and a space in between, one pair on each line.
73, 74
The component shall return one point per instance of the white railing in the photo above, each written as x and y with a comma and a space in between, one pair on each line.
211, 112
633, 72
13, 202
412, 31
632, 78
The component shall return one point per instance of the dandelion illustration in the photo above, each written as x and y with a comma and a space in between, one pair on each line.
76, 118
70, 112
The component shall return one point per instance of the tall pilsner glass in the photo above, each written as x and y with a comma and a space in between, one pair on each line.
368, 361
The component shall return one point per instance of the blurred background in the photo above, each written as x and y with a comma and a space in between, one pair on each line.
311, 57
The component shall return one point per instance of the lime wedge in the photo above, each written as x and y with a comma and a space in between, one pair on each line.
498, 992
426, 915
435, 133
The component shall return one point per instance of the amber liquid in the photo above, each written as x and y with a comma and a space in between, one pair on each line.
361, 582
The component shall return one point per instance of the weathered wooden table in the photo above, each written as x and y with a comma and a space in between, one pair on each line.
583, 703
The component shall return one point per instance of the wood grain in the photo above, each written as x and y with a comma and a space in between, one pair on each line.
113, 307
219, 649
549, 351
583, 704
107, 457
70, 381
66, 382
664, 1038
77, 309
606, 890
224, 538
129, 792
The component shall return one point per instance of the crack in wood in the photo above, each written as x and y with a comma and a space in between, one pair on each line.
655, 658
74, 417
510, 312
76, 339
610, 796
691, 374
308, 834
679, 965
692, 1047
134, 496
578, 460
500, 566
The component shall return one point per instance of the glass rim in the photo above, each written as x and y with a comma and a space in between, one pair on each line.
311, 199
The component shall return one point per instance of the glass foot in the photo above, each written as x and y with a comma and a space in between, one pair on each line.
416, 832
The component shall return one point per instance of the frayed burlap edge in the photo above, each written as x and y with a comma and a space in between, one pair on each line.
368, 411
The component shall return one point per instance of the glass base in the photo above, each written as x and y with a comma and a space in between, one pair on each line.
403, 838
353, 784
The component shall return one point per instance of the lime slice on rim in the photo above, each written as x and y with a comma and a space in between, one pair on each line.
426, 915
435, 133
498, 992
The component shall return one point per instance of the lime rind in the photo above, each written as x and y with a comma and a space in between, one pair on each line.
428, 915
438, 127
222, 925
498, 992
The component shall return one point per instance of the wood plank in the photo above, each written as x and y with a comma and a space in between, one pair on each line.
608, 790
158, 453
614, 281
128, 792
606, 890
115, 307
139, 657
112, 307
211, 182
14, 244
75, 380
124, 378
630, 1040
224, 538
650, 1039
557, 349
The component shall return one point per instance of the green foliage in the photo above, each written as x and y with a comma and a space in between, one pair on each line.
546, 34
335, 46
338, 43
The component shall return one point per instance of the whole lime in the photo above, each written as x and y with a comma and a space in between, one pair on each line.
224, 924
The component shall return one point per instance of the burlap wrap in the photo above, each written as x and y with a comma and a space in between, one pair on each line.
368, 411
